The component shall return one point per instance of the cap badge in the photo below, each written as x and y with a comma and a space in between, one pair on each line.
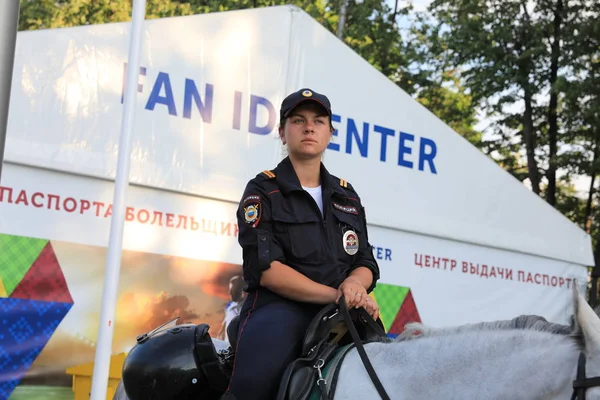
307, 93
350, 242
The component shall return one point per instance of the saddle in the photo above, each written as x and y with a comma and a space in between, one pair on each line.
326, 343
332, 333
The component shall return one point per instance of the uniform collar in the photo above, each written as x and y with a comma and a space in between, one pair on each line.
288, 180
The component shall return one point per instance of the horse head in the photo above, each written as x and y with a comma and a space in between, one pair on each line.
588, 324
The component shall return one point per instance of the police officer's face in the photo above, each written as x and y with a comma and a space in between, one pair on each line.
307, 131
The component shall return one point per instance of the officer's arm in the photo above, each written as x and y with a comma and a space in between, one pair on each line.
288, 282
365, 268
264, 259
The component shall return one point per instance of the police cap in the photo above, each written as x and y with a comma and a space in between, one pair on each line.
293, 100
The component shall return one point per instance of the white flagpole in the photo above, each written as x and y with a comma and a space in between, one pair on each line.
115, 240
9, 20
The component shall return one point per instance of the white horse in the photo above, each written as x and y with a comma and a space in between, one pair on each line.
524, 358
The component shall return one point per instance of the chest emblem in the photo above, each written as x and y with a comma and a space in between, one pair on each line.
350, 242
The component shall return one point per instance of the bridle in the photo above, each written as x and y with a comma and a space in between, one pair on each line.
581, 383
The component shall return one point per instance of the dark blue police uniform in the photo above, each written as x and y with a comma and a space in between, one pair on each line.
279, 220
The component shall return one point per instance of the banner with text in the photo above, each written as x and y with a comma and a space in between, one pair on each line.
209, 92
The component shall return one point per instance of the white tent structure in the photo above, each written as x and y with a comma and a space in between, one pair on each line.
469, 240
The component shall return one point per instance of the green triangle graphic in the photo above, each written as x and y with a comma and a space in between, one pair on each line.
17, 254
389, 298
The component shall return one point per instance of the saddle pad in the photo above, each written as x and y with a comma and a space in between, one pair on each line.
330, 371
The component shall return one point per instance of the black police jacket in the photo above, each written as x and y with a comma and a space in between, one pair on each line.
278, 220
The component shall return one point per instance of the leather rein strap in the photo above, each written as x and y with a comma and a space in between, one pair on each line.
360, 347
582, 383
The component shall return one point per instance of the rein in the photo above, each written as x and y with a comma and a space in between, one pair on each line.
581, 384
360, 347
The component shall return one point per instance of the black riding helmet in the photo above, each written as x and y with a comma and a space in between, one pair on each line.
174, 363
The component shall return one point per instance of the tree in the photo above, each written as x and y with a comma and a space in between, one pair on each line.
513, 57
498, 48
436, 83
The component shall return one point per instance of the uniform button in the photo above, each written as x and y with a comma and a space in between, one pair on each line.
263, 238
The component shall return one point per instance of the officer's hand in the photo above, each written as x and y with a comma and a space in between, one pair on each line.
354, 293
372, 308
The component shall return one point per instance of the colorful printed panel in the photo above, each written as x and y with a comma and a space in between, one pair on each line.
44, 280
35, 299
26, 327
17, 254
396, 306
408, 313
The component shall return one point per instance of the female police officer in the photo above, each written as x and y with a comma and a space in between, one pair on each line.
304, 239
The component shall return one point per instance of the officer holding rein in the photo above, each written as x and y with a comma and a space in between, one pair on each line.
303, 234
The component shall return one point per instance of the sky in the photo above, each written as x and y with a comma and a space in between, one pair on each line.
419, 5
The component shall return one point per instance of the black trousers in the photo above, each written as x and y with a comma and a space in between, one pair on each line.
270, 335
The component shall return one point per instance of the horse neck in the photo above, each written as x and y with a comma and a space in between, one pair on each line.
515, 364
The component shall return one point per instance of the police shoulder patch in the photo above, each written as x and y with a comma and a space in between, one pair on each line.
268, 174
346, 185
252, 209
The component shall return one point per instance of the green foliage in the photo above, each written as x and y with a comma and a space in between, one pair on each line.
534, 69
453, 106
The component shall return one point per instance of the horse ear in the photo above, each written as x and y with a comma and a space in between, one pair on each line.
586, 318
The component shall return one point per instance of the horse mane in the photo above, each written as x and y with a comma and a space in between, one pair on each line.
526, 322
538, 323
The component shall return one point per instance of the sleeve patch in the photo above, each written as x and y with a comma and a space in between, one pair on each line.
253, 198
252, 209
346, 209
